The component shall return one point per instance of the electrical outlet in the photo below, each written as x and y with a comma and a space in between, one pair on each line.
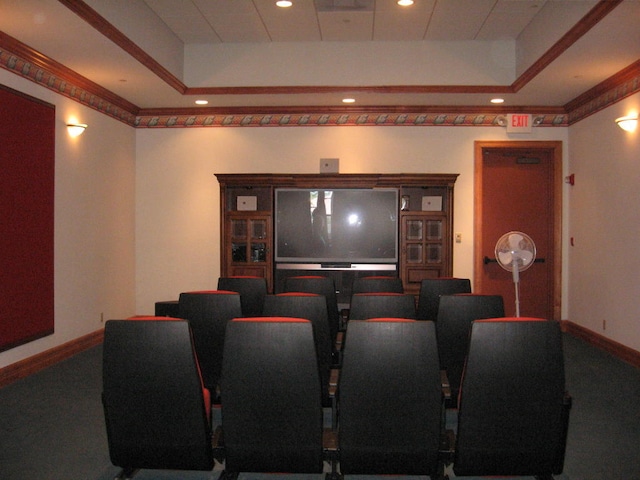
458, 238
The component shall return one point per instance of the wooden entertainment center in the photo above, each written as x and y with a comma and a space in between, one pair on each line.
425, 224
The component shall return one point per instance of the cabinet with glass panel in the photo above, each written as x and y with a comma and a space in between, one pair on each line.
425, 238
425, 220
247, 224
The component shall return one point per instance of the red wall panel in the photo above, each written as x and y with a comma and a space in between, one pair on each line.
27, 170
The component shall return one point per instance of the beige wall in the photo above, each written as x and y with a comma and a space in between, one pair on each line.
604, 282
178, 218
94, 222
137, 211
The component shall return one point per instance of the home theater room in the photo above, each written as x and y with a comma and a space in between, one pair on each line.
339, 239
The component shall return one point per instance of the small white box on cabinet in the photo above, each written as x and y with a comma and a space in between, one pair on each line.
329, 165
247, 203
432, 204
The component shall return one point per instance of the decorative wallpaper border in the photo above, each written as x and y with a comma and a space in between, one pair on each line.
380, 118
605, 99
62, 86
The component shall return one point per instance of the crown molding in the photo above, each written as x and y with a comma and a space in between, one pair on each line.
30, 64
586, 23
612, 90
98, 22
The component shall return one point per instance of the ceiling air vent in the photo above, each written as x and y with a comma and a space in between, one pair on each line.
345, 5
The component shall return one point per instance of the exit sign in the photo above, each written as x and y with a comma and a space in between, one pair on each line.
519, 123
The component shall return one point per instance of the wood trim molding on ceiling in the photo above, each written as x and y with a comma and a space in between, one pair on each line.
98, 22
33, 65
296, 89
586, 23
21, 59
612, 90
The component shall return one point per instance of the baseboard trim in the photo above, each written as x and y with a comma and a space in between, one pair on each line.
34, 364
623, 352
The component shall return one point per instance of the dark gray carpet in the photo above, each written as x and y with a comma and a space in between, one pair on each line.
52, 427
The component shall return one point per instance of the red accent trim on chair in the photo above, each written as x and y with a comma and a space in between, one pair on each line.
513, 319
153, 317
221, 292
272, 319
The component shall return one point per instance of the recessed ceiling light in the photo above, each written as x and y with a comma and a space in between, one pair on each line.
405, 3
497, 100
202, 102
284, 3
348, 100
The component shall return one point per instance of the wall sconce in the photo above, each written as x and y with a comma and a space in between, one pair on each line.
76, 129
628, 123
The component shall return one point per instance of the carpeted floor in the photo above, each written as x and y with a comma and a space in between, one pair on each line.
52, 426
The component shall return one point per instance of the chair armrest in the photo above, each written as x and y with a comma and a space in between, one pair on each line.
447, 446
331, 453
336, 354
217, 442
330, 444
344, 318
445, 385
334, 376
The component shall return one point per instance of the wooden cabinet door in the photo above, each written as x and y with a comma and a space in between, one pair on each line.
424, 251
248, 245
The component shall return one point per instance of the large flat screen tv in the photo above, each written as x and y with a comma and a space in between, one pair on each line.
341, 226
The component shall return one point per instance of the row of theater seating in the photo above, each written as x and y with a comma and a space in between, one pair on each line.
314, 298
254, 289
512, 412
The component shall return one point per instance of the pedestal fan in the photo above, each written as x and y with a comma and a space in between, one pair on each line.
515, 252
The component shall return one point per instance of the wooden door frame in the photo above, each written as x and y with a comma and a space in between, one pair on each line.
556, 148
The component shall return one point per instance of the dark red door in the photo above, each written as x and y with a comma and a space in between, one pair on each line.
517, 194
